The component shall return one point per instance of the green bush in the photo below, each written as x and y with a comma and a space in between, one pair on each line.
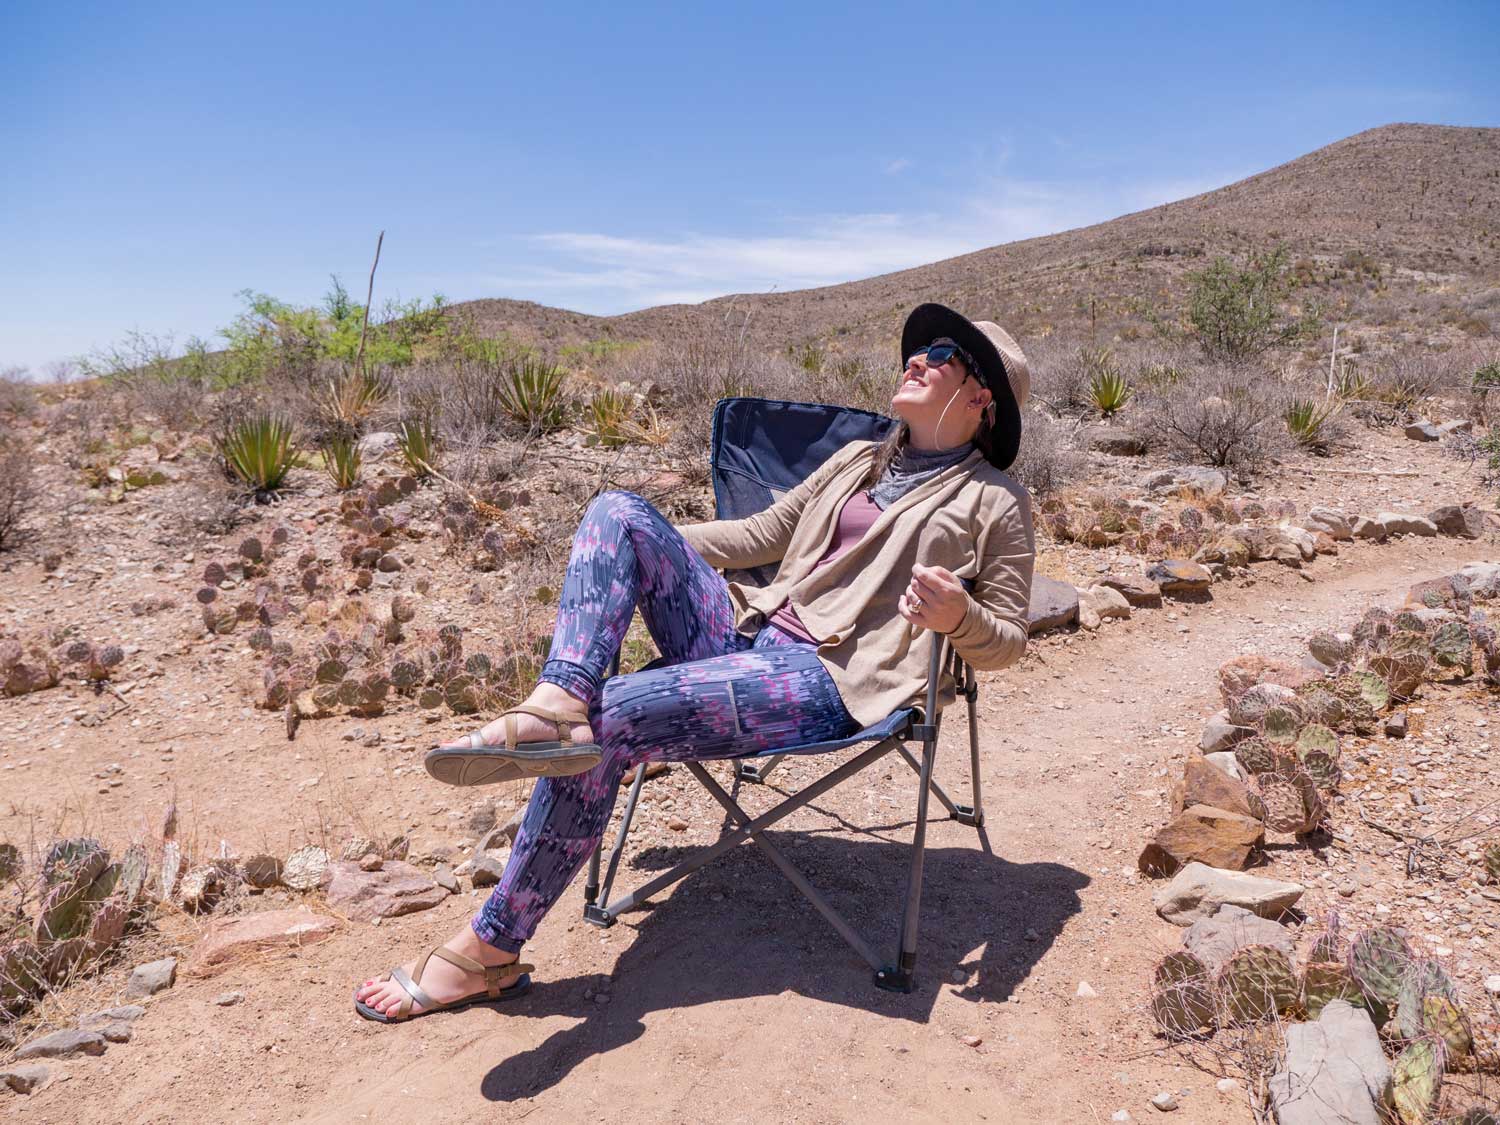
609, 412
259, 452
1309, 422
417, 441
341, 459
1109, 391
1236, 311
533, 393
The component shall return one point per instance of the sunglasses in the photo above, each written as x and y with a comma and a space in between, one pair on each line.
939, 354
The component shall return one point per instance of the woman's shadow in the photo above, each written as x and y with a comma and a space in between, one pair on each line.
736, 929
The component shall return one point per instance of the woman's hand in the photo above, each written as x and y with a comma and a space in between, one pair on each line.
934, 599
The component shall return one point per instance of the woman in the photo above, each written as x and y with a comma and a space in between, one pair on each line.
874, 548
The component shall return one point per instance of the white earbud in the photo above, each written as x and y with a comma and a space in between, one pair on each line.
937, 433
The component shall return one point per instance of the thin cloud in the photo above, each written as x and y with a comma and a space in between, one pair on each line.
897, 166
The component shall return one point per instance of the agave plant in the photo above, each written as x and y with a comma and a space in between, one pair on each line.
259, 451
1109, 391
1309, 421
609, 413
342, 460
534, 393
417, 441
352, 396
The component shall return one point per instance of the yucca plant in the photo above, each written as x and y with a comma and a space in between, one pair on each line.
1307, 420
534, 393
418, 444
342, 460
352, 396
1108, 391
609, 415
259, 451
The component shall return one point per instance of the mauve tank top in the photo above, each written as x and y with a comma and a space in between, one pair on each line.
856, 517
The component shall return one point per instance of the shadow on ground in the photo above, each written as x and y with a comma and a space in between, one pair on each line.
737, 929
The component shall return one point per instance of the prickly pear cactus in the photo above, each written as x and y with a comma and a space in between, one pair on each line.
1291, 799
1320, 705
1423, 979
1316, 736
1323, 770
1329, 945
1325, 981
1255, 756
1447, 1020
1379, 960
1492, 861
1372, 689
1403, 673
1417, 1080
1453, 648
1257, 983
1182, 999
1329, 649
1280, 726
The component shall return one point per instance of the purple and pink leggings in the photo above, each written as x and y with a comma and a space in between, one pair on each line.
722, 695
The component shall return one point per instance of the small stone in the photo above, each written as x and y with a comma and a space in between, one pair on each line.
486, 870
1225, 762
481, 818
124, 1013
371, 862
1219, 734
1118, 441
229, 999
1395, 724
153, 977
1459, 521
1085, 991
1121, 1115
115, 1032
972, 1040
958, 976
63, 1045
1138, 590
1422, 430
1226, 1085
677, 824
1492, 984
1164, 1101
1331, 522
1179, 576
1197, 891
25, 1078
1053, 605
1214, 940
1366, 527
443, 876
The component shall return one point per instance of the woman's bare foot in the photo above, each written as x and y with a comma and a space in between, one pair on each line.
529, 728
442, 981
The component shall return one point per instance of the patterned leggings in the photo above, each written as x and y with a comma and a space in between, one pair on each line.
722, 696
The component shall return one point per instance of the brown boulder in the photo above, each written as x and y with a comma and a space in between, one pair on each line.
1216, 837
1203, 783
1239, 675
1179, 576
1228, 549
1139, 591
229, 939
397, 888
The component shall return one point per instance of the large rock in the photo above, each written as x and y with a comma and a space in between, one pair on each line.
397, 888
1198, 890
1139, 591
1053, 605
1462, 521
1221, 734
230, 939
151, 978
378, 444
1099, 603
1331, 522
1334, 1072
1399, 523
1212, 940
1483, 579
1203, 783
1369, 527
1226, 763
1228, 549
24, 1078
1239, 675
1422, 430
110, 1017
1188, 480
1200, 833
1116, 440
63, 1045
1179, 576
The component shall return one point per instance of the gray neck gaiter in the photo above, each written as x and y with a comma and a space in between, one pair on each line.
910, 467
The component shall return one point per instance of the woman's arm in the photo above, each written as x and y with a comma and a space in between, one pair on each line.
993, 631
764, 537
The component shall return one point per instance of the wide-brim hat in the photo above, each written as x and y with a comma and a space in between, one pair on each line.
1002, 366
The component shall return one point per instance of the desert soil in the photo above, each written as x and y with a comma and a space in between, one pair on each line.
729, 999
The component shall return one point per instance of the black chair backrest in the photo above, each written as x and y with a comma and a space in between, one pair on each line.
763, 448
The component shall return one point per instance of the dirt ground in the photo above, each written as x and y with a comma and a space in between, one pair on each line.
729, 998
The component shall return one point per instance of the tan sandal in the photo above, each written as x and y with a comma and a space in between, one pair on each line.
475, 762
493, 991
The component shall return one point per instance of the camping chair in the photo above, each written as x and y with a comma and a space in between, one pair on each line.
760, 449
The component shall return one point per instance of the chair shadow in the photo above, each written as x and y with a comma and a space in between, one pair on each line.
735, 929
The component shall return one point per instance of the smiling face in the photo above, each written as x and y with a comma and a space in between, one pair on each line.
926, 392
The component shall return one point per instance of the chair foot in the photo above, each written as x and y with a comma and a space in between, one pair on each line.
964, 814
747, 771
895, 980
596, 915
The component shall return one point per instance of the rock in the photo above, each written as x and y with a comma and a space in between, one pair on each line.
153, 977
1227, 550
1053, 605
1395, 724
109, 1017
1220, 734
1185, 481
63, 1045
262, 871
443, 876
1458, 426
1085, 991
1249, 708
486, 870
1459, 521
1217, 837
1483, 579
1197, 891
1323, 543
1121, 1115
1398, 523
1422, 431
1212, 940
971, 1040
506, 833
1179, 576
1202, 784
1117, 440
677, 824
1139, 591
228, 999
1164, 1101
371, 861
200, 889
1238, 676
1367, 527
378, 444
1303, 541
1492, 984
1334, 1071
359, 847
25, 1078
228, 940
397, 888
305, 869
482, 818
1225, 762
1331, 522
1105, 601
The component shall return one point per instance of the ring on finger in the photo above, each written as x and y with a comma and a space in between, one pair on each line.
915, 602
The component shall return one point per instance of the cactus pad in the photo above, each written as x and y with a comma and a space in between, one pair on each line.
1257, 983
1379, 960
1323, 770
1328, 648
1323, 981
1255, 756
1291, 799
331, 672
1417, 1080
405, 675
1182, 1000
1316, 736
1422, 980
1453, 648
252, 549
1446, 1019
1280, 725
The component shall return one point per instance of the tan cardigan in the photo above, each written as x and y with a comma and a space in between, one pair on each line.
971, 518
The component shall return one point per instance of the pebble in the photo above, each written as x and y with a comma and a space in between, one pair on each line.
958, 976
1121, 1115
972, 1040
1085, 990
228, 999
1226, 1085
677, 824
1492, 984
1164, 1102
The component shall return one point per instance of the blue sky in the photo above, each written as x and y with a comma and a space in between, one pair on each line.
161, 157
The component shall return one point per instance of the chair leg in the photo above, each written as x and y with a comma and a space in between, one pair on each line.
593, 912
901, 977
758, 770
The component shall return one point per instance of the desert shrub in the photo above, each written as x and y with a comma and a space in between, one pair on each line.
1048, 460
1311, 422
534, 393
17, 396
1484, 387
608, 414
347, 400
258, 451
148, 374
1236, 311
342, 459
1227, 418
18, 488
417, 440
1061, 372
1109, 391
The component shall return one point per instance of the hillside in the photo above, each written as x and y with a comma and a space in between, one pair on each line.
1377, 222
